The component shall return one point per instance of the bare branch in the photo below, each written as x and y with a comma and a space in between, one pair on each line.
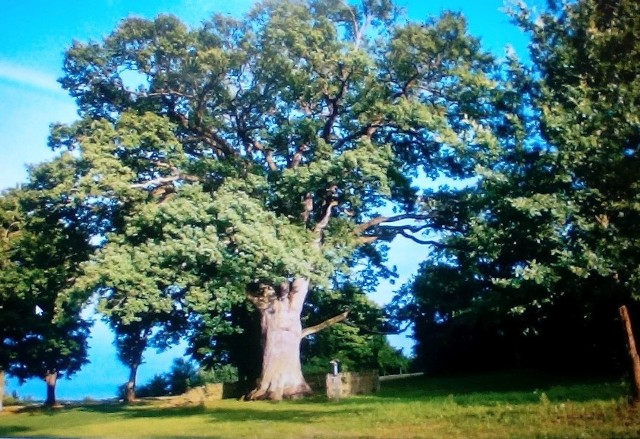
386, 231
254, 144
297, 157
370, 224
307, 207
406, 228
392, 219
376, 332
160, 92
329, 322
9, 232
164, 180
424, 241
324, 222
334, 104
368, 239
268, 156
366, 131
215, 140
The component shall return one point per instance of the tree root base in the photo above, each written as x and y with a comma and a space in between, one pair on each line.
262, 394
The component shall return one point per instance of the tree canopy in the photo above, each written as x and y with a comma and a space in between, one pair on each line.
45, 236
262, 151
549, 247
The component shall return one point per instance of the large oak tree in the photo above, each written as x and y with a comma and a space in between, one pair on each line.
251, 159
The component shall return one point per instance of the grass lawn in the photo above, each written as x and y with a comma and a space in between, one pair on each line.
489, 406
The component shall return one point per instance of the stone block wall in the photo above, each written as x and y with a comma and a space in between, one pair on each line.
337, 386
213, 392
351, 383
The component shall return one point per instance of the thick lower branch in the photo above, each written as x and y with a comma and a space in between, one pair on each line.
373, 222
327, 323
370, 331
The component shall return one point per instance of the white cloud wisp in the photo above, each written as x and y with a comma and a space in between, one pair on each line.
29, 77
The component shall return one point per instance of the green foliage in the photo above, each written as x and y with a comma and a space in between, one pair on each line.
587, 55
184, 375
358, 344
255, 150
158, 385
353, 350
45, 236
223, 374
545, 244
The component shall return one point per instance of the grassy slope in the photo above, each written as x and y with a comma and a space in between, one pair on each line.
490, 406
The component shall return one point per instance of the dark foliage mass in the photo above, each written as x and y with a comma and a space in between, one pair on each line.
545, 248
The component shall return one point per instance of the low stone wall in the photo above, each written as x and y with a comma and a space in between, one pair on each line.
317, 382
213, 392
351, 383
336, 386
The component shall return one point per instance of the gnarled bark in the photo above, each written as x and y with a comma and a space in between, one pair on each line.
280, 311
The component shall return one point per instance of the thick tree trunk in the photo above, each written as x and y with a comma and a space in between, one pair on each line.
280, 311
130, 389
51, 379
633, 353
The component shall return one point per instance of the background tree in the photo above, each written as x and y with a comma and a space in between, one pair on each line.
587, 55
358, 342
283, 137
545, 253
45, 236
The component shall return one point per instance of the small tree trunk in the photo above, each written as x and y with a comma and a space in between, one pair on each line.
281, 375
1, 389
633, 353
130, 390
51, 380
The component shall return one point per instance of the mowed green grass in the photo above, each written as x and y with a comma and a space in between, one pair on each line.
488, 406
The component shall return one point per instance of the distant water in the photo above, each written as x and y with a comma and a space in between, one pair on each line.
101, 378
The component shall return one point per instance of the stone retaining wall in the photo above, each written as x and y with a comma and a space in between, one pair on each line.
351, 383
213, 392
336, 386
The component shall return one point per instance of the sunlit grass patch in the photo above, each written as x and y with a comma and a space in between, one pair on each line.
489, 406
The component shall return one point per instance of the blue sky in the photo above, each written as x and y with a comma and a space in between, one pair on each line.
34, 35
33, 38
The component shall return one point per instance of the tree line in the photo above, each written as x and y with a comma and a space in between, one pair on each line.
237, 185
542, 250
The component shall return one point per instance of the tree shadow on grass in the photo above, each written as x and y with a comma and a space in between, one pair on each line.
12, 430
253, 412
519, 387
286, 416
